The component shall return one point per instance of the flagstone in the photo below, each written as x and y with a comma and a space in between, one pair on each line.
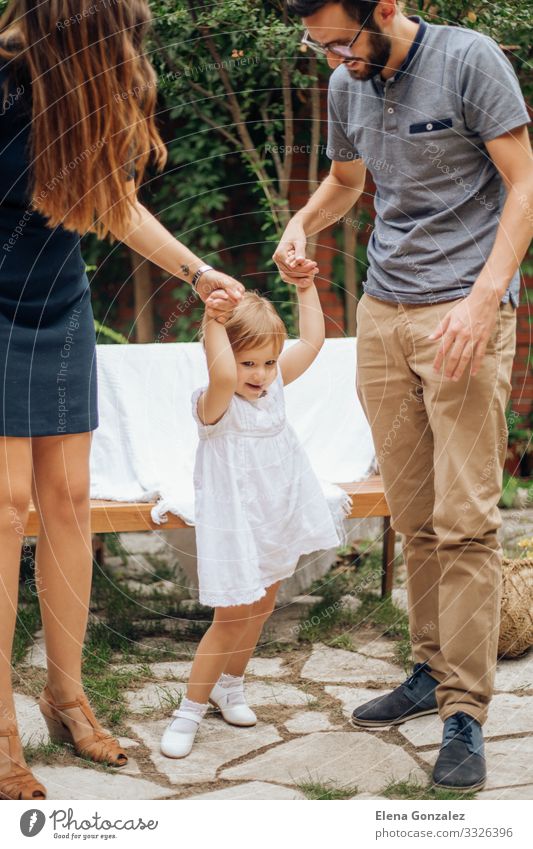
515, 674
508, 714
180, 670
377, 648
308, 721
335, 758
337, 665
216, 744
523, 792
73, 782
399, 598
252, 790
260, 693
509, 762
154, 696
32, 727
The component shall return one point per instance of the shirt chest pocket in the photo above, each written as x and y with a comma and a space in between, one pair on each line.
430, 126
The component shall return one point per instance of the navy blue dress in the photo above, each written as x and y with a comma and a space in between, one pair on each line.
48, 381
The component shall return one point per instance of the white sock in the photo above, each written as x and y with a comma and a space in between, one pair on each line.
231, 681
234, 687
183, 723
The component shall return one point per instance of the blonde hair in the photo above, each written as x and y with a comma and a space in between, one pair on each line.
254, 321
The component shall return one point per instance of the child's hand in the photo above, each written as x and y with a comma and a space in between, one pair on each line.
219, 306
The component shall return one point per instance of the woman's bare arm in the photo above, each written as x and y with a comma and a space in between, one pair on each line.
149, 238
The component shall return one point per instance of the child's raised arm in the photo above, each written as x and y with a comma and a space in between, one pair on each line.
299, 357
214, 402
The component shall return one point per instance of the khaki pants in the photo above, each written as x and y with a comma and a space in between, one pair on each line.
441, 446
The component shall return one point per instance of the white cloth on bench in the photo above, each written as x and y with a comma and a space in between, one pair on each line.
144, 447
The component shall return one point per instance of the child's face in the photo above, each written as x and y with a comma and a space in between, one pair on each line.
256, 369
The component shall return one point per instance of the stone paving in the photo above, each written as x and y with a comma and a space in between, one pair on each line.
303, 696
303, 699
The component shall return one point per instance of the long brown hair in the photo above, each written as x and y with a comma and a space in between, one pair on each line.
94, 93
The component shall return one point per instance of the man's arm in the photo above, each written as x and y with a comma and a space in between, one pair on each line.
334, 197
512, 155
466, 329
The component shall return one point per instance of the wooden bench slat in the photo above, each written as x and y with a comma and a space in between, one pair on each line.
122, 516
368, 499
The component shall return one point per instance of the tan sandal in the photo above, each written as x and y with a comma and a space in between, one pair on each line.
19, 783
100, 746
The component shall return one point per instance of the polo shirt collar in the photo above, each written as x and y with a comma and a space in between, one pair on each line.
422, 28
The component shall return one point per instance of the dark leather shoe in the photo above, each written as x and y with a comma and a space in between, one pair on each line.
461, 761
415, 697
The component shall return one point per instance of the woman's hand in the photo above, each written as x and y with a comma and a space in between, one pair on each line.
212, 281
219, 306
220, 294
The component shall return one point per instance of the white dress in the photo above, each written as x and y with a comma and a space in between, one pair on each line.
258, 503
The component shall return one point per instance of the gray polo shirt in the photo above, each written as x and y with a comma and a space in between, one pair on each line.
421, 135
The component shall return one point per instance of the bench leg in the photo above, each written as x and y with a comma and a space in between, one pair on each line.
98, 550
387, 569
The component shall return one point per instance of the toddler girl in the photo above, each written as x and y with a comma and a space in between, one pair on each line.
258, 503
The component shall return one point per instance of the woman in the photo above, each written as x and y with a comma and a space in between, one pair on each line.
75, 139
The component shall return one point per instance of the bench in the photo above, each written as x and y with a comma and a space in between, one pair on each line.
368, 500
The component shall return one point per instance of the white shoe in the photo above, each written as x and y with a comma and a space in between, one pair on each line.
232, 704
176, 743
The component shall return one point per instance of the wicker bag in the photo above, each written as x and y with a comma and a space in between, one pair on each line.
516, 626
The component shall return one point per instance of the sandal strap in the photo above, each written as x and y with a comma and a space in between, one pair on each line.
66, 705
81, 703
104, 747
9, 731
18, 780
99, 744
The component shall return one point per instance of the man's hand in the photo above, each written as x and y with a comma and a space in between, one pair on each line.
465, 332
291, 261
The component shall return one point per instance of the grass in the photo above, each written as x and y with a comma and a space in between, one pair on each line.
412, 790
356, 574
325, 790
45, 752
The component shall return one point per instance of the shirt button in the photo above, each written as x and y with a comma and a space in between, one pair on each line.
390, 110
429, 126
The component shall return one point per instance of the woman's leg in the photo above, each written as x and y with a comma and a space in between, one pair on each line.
64, 561
259, 613
215, 648
15, 492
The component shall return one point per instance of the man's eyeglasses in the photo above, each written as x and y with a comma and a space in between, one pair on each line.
342, 50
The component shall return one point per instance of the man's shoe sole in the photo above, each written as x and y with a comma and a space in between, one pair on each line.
377, 723
472, 789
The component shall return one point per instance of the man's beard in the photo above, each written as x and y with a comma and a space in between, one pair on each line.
380, 50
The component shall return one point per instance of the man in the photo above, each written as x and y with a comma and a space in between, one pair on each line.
437, 116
